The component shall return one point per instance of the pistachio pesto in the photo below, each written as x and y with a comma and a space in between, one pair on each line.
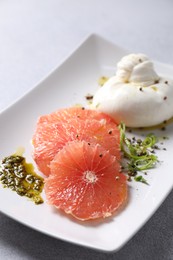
20, 177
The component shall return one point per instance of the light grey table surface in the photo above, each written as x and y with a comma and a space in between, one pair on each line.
35, 36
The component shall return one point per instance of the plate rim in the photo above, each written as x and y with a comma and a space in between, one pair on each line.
57, 66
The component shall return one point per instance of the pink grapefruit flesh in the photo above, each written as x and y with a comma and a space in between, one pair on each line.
63, 115
51, 136
85, 181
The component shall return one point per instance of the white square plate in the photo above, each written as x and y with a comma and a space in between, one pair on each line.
66, 86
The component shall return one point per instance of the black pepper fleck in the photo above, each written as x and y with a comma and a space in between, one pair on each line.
129, 178
89, 97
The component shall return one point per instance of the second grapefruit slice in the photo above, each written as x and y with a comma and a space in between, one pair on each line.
63, 115
50, 138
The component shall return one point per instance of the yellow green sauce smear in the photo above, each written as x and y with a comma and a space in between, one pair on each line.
102, 80
20, 177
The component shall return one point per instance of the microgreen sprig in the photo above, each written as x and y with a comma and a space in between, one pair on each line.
138, 153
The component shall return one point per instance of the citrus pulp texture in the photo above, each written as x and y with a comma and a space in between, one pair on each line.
74, 112
53, 131
85, 181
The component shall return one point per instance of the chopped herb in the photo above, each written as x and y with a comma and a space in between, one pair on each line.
138, 153
154, 88
165, 138
140, 178
97, 105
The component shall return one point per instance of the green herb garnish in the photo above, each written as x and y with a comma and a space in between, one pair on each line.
140, 178
138, 153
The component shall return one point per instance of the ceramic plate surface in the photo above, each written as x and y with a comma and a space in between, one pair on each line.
66, 86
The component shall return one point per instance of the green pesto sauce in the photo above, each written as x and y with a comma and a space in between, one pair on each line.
20, 177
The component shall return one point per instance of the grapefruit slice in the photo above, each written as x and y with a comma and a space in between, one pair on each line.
50, 138
85, 181
76, 113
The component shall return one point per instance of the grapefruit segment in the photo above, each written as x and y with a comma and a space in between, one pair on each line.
63, 115
85, 181
47, 141
50, 138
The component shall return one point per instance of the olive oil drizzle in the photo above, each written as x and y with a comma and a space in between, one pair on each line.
20, 177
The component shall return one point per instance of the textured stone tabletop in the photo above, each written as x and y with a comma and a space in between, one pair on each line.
35, 36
